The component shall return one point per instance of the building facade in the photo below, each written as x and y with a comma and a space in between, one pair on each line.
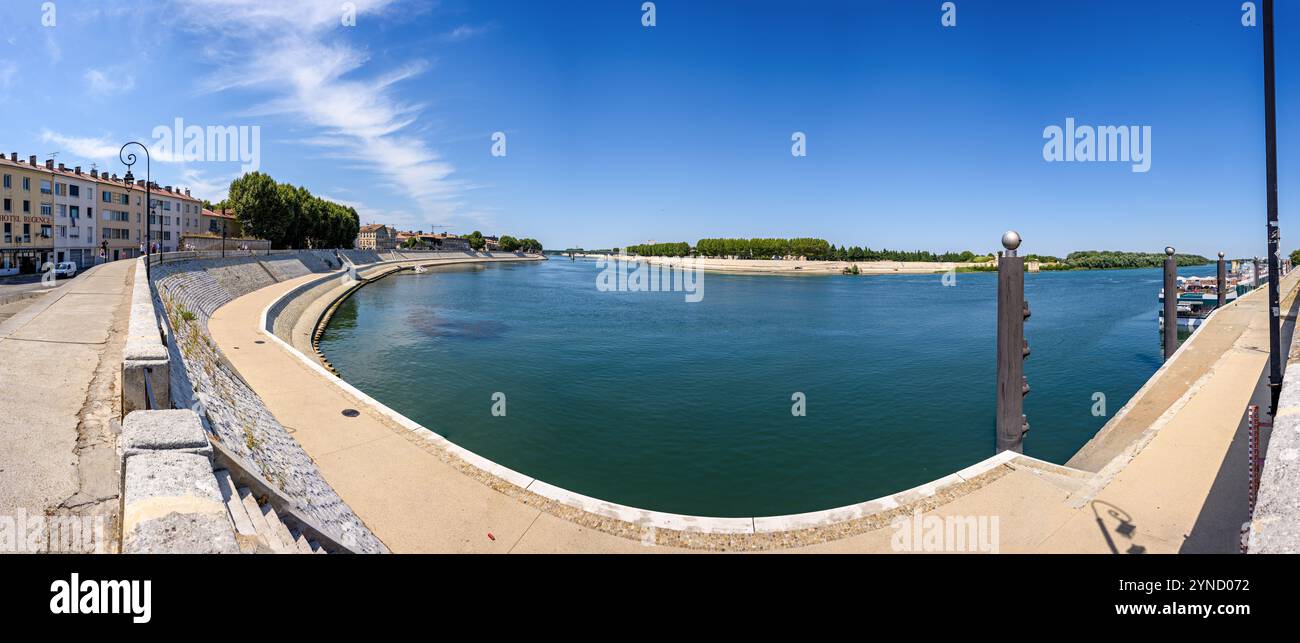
75, 238
214, 222
26, 216
376, 236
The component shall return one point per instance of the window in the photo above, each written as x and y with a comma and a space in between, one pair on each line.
27, 233
46, 232
63, 232
9, 205
74, 190
27, 206
74, 211
27, 183
46, 210
9, 181
9, 233
45, 187
107, 199
63, 210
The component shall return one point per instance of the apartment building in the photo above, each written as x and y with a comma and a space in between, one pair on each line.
74, 231
26, 216
121, 217
376, 236
175, 214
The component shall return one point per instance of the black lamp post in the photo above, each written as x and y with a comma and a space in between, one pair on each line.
1274, 235
129, 160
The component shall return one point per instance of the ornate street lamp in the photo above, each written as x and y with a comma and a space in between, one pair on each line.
129, 160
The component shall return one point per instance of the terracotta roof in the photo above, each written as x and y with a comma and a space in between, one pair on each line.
372, 227
219, 215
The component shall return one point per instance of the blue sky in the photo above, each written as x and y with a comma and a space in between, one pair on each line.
918, 136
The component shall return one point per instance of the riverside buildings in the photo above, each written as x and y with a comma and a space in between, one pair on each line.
26, 221
54, 213
376, 236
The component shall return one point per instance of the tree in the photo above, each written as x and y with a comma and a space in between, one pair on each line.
476, 240
509, 243
257, 203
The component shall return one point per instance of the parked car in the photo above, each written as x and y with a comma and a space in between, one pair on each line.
65, 269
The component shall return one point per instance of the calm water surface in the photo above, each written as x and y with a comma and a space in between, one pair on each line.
646, 400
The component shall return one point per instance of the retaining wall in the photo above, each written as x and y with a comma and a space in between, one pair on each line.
188, 292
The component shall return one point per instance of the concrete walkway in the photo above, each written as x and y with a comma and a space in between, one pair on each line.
1167, 474
61, 355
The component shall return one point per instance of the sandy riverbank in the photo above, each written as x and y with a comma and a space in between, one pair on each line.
796, 266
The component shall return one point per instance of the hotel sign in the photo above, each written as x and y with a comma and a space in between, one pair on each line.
36, 219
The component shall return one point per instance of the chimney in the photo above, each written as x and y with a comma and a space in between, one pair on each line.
169, 188
94, 174
77, 170
187, 191
13, 156
62, 168
49, 164
32, 160
139, 182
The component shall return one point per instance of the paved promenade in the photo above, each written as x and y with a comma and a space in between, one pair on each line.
1167, 475
59, 376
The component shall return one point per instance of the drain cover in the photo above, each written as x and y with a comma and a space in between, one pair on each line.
259, 342
351, 413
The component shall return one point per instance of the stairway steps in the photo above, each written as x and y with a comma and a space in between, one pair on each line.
265, 535
234, 504
300, 542
278, 528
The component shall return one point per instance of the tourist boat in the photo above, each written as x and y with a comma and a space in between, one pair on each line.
1199, 296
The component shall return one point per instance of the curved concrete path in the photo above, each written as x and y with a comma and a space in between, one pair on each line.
1173, 483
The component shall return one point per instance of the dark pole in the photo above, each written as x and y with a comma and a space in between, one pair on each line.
223, 238
1012, 348
1171, 302
129, 160
1223, 282
1274, 235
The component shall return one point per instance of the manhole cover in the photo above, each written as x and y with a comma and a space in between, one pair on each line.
351, 413
259, 342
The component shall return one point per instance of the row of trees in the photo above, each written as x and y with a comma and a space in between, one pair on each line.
767, 248
527, 244
764, 248
290, 216
678, 249
1098, 259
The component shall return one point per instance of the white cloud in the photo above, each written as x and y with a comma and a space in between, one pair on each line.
92, 149
463, 32
8, 72
108, 82
313, 77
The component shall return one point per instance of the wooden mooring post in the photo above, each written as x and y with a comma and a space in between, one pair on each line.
1171, 302
1013, 348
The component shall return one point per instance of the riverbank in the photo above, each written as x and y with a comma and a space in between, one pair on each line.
801, 267
420, 492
